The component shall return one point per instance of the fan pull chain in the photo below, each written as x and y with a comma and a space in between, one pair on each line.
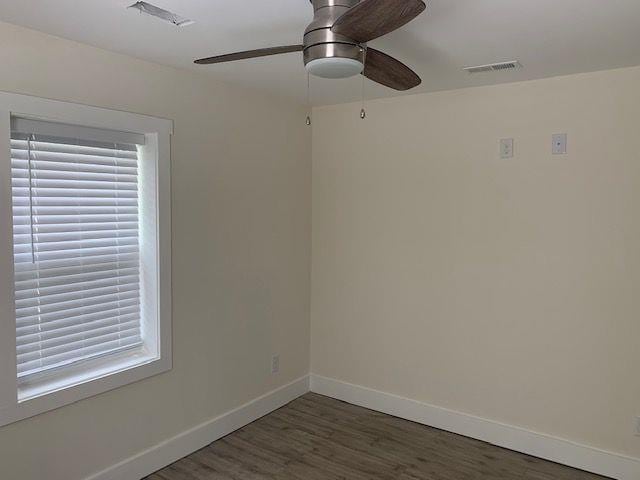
363, 112
308, 99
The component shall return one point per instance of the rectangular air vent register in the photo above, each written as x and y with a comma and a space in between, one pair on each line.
494, 67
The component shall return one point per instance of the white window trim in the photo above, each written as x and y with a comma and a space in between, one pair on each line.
102, 374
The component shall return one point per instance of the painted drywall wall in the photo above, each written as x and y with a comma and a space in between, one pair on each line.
507, 289
241, 171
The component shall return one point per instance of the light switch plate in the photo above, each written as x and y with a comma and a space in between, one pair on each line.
559, 146
506, 148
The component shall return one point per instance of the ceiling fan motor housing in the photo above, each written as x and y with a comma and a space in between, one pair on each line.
328, 54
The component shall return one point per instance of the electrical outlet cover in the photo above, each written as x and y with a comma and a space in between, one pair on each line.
559, 146
506, 148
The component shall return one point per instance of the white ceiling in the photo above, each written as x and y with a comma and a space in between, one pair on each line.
549, 37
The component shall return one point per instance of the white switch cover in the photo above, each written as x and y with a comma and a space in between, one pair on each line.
559, 144
506, 148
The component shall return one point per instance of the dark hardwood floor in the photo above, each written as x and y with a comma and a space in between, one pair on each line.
319, 438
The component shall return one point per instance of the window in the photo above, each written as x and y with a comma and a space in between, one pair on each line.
75, 245
89, 257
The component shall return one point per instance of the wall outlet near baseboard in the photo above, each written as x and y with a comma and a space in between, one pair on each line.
275, 364
636, 426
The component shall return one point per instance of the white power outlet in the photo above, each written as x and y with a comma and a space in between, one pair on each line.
636, 426
275, 364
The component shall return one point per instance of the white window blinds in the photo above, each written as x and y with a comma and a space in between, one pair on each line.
76, 244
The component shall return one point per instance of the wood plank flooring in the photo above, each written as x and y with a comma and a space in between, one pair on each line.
319, 438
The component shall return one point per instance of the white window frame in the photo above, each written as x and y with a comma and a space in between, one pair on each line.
19, 400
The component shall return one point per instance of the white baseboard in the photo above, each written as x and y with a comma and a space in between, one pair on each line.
514, 438
167, 452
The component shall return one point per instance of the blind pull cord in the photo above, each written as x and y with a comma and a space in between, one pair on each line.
30, 138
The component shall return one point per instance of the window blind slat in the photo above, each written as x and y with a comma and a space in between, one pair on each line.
42, 320
76, 249
75, 202
74, 184
73, 227
98, 157
74, 284
75, 303
21, 175
21, 167
88, 260
67, 278
81, 244
28, 274
75, 254
64, 219
77, 294
71, 193
61, 338
61, 327
44, 239
66, 341
71, 149
71, 214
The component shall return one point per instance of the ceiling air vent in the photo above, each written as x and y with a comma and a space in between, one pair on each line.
162, 14
495, 67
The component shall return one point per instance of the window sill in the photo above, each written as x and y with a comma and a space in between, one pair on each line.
52, 391
89, 371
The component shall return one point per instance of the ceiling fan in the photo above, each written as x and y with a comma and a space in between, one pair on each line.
335, 42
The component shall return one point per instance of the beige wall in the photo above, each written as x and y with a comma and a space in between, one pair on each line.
507, 289
241, 245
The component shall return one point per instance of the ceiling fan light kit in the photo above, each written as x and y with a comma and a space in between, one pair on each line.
335, 42
327, 54
334, 67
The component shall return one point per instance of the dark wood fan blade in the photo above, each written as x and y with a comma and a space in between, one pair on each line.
373, 18
388, 71
262, 52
